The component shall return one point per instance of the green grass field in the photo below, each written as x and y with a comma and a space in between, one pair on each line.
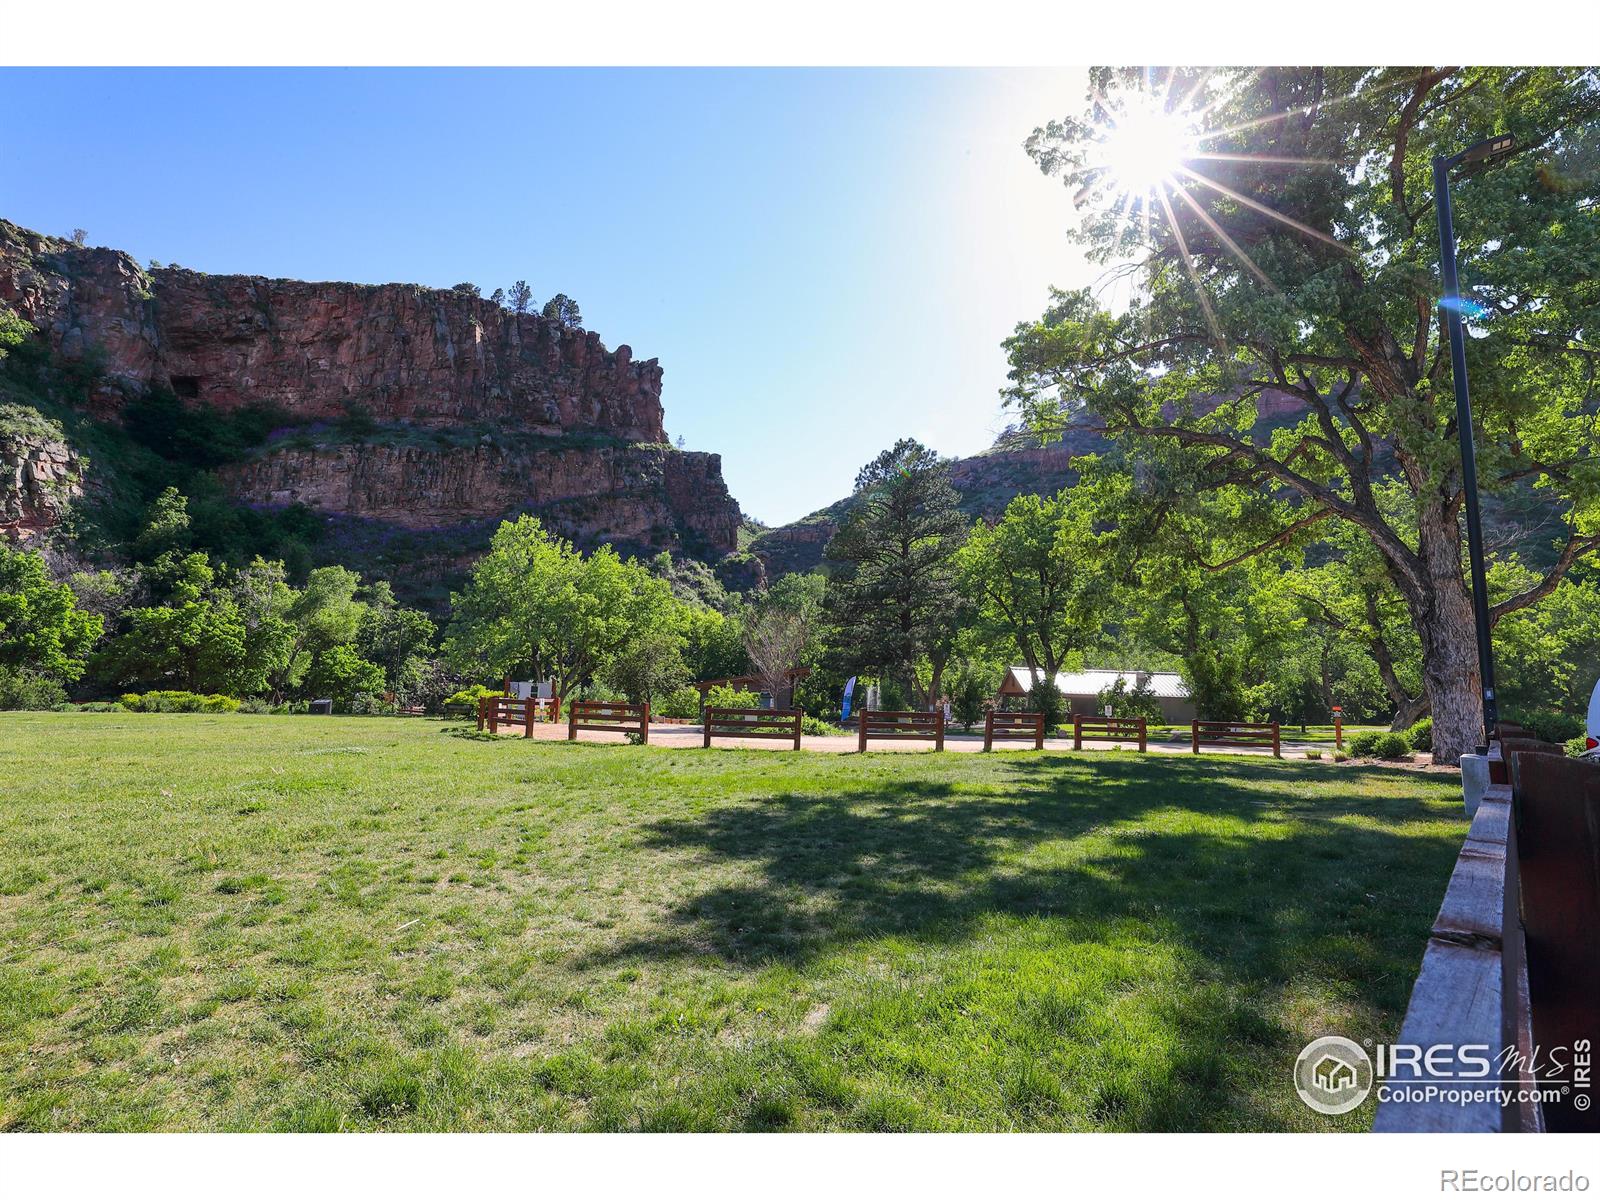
326, 923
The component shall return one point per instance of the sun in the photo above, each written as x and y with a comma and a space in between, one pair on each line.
1143, 147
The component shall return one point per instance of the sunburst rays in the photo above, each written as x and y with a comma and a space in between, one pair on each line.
1150, 139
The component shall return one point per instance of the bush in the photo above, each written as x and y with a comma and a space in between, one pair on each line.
1577, 746
1392, 746
1340, 756
723, 696
468, 697
1365, 743
24, 689
97, 706
1547, 724
258, 707
1045, 697
1420, 735
817, 727
369, 704
177, 702
1314, 754
682, 703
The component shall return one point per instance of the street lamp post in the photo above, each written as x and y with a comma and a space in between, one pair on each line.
1484, 153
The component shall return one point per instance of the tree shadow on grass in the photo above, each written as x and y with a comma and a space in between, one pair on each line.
1253, 886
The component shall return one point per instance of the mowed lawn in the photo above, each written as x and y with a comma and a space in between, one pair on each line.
233, 922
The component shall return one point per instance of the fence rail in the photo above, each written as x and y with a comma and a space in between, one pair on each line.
1013, 727
1108, 729
882, 725
604, 716
495, 711
1234, 734
775, 723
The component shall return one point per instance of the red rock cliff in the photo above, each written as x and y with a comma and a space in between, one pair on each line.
565, 421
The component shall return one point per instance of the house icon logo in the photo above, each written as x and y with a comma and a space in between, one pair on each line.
1333, 1075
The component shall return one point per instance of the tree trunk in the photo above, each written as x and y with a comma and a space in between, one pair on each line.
1441, 610
1409, 713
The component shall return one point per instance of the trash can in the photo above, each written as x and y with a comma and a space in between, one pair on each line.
322, 708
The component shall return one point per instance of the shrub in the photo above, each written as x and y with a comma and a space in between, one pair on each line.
723, 696
1365, 743
257, 706
1392, 746
97, 706
1313, 753
682, 703
1340, 756
369, 704
468, 697
24, 689
1546, 724
1420, 735
177, 702
1045, 697
817, 727
1577, 746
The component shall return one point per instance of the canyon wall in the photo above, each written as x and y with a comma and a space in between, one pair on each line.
533, 413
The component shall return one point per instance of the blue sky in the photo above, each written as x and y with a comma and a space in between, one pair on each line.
822, 260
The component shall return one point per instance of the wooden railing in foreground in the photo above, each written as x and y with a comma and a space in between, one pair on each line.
1108, 729
780, 723
1013, 727
885, 726
495, 711
1234, 735
604, 716
1512, 963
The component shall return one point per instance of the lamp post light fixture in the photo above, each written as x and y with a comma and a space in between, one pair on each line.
1475, 157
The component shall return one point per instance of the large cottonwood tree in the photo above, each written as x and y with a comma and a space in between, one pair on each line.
1293, 251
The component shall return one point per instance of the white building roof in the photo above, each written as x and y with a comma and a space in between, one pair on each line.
1168, 685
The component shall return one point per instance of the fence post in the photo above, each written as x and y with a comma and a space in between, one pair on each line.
482, 700
644, 724
1077, 730
1194, 736
938, 729
799, 720
555, 708
1142, 735
530, 708
572, 723
494, 714
1338, 730
988, 730
861, 731
705, 722
1038, 732
1276, 752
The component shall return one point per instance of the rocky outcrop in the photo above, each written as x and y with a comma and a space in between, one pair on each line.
583, 423
40, 476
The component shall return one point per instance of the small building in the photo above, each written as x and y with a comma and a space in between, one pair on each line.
1081, 690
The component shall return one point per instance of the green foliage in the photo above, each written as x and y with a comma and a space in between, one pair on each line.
1364, 744
970, 690
22, 688
723, 696
177, 702
1576, 747
42, 630
648, 665
817, 727
535, 603
1132, 703
340, 674
1335, 306
13, 330
1391, 746
713, 644
681, 703
1045, 697
1546, 724
1033, 578
1420, 735
895, 600
563, 309
198, 434
468, 697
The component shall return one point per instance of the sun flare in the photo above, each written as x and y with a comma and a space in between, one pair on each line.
1143, 148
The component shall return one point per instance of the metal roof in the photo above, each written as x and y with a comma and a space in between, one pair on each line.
1167, 685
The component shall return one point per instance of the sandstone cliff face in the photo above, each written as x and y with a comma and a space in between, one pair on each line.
40, 475
586, 421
